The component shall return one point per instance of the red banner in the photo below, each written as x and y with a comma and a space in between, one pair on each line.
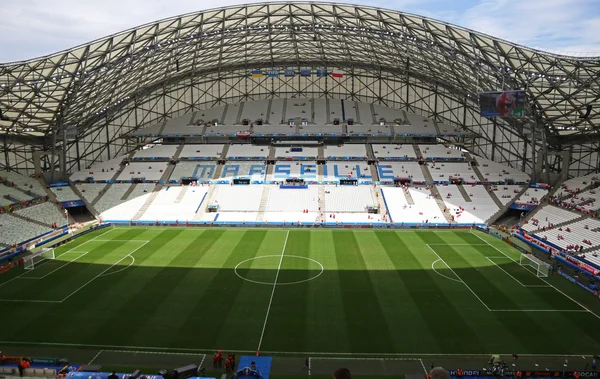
583, 266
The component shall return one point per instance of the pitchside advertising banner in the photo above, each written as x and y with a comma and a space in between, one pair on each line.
526, 374
502, 104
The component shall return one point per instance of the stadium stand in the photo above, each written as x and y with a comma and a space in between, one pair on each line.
389, 170
9, 195
90, 191
22, 182
151, 171
276, 116
293, 153
199, 171
293, 200
436, 152
99, 171
254, 110
496, 172
333, 171
247, 151
418, 125
298, 108
204, 151
237, 198
125, 210
178, 125
423, 209
346, 152
581, 234
547, 216
577, 185
115, 193
156, 152
176, 203
209, 115
443, 171
46, 213
64, 193
255, 171
532, 196
320, 115
473, 206
348, 199
306, 170
14, 230
507, 192
393, 152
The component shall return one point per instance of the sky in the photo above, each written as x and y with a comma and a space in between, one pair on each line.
34, 28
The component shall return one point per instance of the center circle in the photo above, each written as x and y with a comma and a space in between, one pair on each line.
276, 259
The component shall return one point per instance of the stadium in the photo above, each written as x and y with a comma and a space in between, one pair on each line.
318, 183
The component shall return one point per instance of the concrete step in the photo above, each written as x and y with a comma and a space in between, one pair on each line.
321, 152
417, 150
217, 174
353, 104
148, 202
321, 199
238, 119
264, 201
272, 152
328, 111
181, 194
374, 173
162, 127
31, 220
225, 151
178, 151
440, 203
504, 208
373, 118
100, 194
129, 191
268, 115
426, 173
167, 173
567, 223
283, 114
88, 205
409, 197
222, 120
464, 193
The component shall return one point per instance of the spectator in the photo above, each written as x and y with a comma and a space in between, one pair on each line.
113, 375
344, 373
439, 373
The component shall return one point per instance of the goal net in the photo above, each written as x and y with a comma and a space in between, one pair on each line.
35, 259
535, 265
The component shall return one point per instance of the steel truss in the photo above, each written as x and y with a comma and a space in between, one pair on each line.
94, 94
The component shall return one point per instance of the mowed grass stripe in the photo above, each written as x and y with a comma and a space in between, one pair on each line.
288, 321
437, 299
364, 316
478, 329
402, 315
110, 309
231, 310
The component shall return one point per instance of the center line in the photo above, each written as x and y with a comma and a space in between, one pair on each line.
273, 292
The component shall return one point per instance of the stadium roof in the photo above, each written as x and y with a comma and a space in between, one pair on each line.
76, 87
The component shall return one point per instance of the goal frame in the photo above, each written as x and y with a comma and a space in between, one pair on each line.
541, 268
32, 261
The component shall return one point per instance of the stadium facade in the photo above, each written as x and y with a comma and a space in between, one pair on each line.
76, 107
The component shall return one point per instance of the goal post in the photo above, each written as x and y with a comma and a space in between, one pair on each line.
35, 259
540, 268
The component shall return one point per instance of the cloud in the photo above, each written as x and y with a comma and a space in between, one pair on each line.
32, 28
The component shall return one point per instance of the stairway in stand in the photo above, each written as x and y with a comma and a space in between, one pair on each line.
88, 205
148, 202
426, 173
32, 220
464, 193
440, 203
129, 191
264, 201
409, 198
504, 208
321, 199
181, 194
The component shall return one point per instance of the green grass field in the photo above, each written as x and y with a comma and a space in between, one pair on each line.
308, 292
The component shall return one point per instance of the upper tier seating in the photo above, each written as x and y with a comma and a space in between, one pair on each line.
532, 196
125, 210
157, 151
201, 151
443, 171
576, 185
547, 216
293, 200
210, 114
199, 170
424, 210
391, 151
347, 151
587, 201
178, 125
389, 114
147, 170
247, 152
99, 171
237, 198
90, 191
233, 110
496, 172
298, 108
23, 182
44, 212
301, 169
14, 230
226, 129
287, 153
254, 170
12, 192
348, 198
335, 110
336, 170
321, 112
417, 125
439, 152
64, 193
505, 192
390, 170
276, 116
254, 110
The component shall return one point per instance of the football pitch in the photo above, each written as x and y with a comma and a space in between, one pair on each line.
354, 292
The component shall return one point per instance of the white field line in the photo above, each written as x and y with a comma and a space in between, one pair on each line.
97, 276
440, 274
423, 365
463, 282
95, 356
66, 264
122, 268
273, 291
365, 359
459, 244
281, 228
543, 280
298, 353
81, 244
153, 352
122, 241
539, 310
516, 280
309, 365
202, 361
